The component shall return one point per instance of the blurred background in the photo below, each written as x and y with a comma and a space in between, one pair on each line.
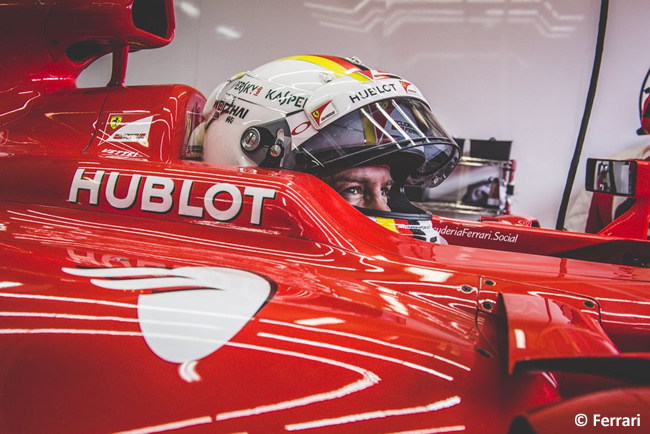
514, 70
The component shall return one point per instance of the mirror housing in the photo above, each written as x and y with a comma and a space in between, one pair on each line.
628, 178
612, 177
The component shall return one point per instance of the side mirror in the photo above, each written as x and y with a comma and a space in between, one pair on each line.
611, 176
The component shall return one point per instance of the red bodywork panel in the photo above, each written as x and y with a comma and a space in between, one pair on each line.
145, 292
542, 328
527, 239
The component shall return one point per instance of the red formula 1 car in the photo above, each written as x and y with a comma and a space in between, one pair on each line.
142, 291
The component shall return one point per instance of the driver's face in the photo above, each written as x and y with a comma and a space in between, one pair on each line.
364, 187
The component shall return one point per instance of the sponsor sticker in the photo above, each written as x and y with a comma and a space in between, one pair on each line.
301, 128
408, 87
287, 98
323, 113
373, 91
229, 108
127, 128
247, 88
121, 153
159, 194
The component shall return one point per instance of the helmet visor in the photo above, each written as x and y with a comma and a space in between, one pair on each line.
401, 133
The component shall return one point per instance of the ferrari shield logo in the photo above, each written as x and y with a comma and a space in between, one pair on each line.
323, 113
128, 128
115, 121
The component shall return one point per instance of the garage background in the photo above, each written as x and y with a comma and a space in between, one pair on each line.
517, 70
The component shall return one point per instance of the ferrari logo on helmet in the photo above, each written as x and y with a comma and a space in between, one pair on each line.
408, 87
115, 121
323, 113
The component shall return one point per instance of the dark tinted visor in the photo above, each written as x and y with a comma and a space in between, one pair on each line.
399, 132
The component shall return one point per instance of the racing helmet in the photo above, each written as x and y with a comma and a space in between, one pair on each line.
323, 114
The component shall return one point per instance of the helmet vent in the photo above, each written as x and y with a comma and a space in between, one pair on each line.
326, 77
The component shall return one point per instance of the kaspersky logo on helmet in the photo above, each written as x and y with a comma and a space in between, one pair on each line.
285, 97
247, 87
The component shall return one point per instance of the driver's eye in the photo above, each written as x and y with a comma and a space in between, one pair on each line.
352, 190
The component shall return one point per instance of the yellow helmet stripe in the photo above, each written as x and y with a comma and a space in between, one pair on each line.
388, 223
338, 66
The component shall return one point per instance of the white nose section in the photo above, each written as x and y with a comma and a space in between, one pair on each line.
205, 309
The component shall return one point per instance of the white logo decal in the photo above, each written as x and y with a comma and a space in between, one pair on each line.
479, 234
301, 129
323, 113
196, 309
136, 131
157, 195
